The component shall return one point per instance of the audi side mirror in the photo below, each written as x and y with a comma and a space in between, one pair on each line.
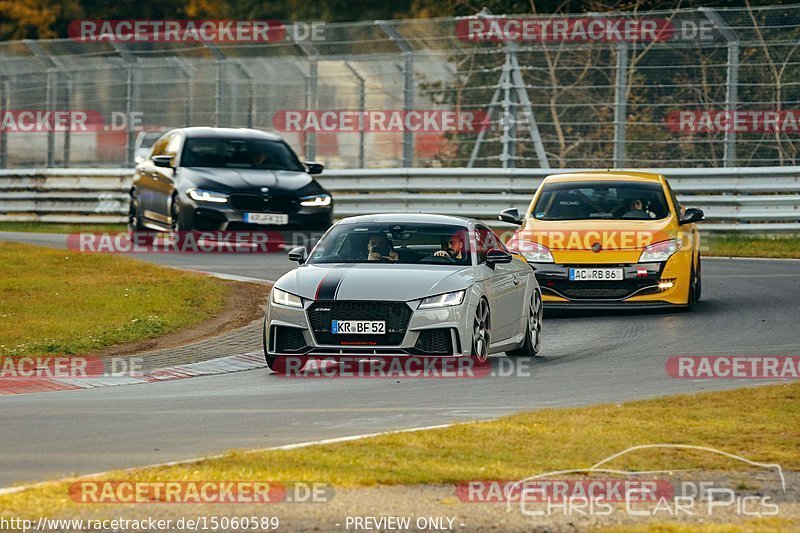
496, 256
299, 254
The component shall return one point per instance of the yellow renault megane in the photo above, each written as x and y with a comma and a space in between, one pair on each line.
610, 239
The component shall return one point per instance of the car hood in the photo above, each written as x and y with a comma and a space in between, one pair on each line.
225, 179
380, 281
611, 234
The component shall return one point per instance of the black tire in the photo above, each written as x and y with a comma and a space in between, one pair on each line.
179, 222
533, 329
136, 228
691, 300
698, 289
481, 333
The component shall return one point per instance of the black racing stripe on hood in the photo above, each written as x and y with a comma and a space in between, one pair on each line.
329, 284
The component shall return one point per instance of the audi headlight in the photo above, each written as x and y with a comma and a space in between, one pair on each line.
660, 251
317, 200
203, 195
533, 252
286, 298
443, 300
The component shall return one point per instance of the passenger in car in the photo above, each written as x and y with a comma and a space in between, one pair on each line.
379, 248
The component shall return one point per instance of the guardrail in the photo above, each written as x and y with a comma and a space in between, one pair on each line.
763, 199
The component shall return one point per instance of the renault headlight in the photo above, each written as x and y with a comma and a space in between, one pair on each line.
660, 251
533, 252
443, 300
203, 195
317, 200
286, 298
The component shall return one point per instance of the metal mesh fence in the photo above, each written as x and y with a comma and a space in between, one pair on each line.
715, 88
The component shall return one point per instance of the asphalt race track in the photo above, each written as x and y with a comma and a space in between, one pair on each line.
747, 309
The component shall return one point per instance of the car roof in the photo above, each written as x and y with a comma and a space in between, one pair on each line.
605, 175
405, 218
226, 133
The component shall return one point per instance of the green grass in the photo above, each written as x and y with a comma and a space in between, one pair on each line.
62, 303
51, 227
512, 447
752, 246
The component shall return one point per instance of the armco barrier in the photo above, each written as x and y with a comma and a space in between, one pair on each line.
763, 199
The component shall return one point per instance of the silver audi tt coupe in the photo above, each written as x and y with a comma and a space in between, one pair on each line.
404, 284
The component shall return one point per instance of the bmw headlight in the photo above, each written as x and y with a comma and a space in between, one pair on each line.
286, 298
660, 251
203, 195
443, 300
316, 200
533, 252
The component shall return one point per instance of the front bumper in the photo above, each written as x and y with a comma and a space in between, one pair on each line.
645, 286
227, 217
429, 332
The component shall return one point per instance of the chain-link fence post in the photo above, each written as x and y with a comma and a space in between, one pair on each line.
51, 92
408, 86
189, 102
219, 81
362, 102
620, 104
731, 82
131, 99
50, 105
67, 134
5, 103
525, 103
128, 62
506, 119
251, 97
311, 100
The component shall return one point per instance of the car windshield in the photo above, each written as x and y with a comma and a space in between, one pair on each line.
614, 200
391, 243
239, 153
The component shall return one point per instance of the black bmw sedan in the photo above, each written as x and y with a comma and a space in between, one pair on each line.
226, 179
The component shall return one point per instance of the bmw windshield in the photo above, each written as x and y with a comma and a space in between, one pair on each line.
394, 244
257, 154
